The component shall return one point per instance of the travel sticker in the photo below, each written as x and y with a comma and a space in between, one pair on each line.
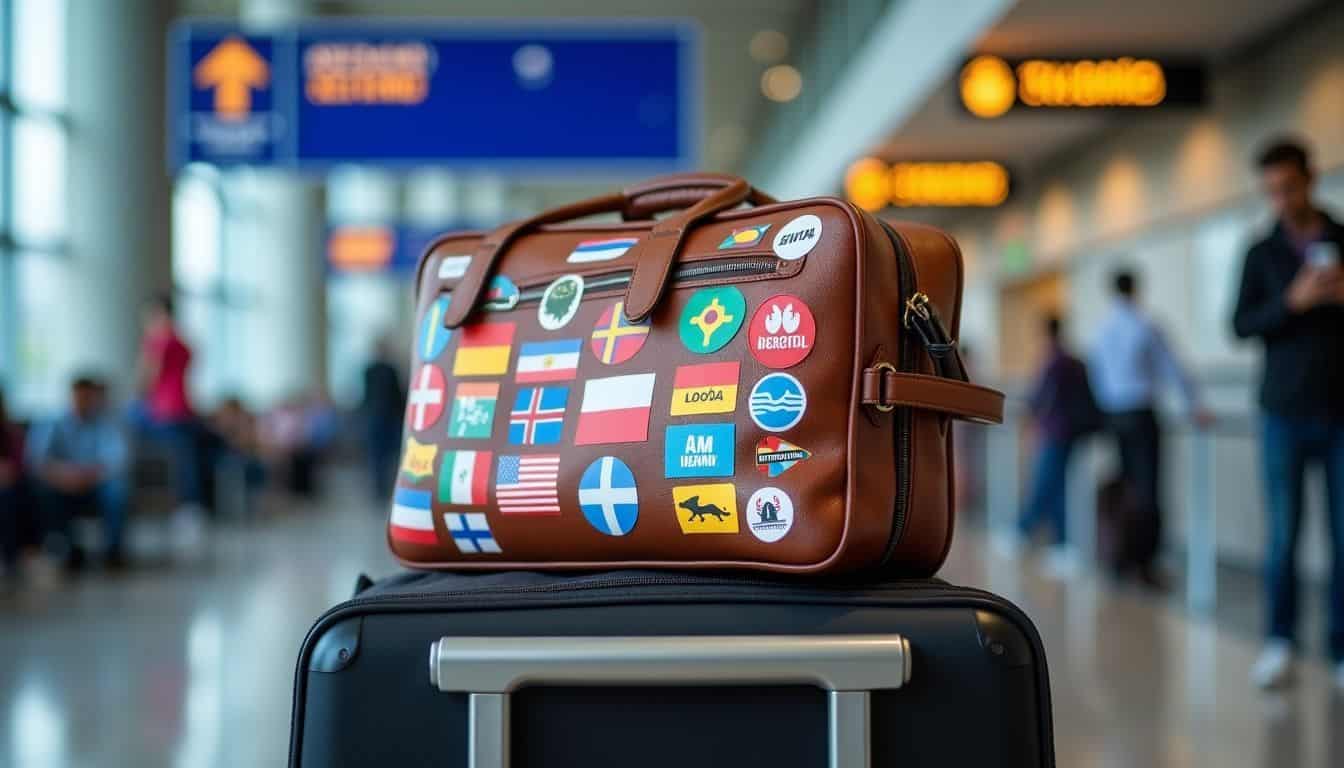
417, 461
483, 349
560, 302
453, 267
698, 450
433, 336
711, 318
615, 410
616, 339
538, 415
777, 402
795, 239
412, 521
782, 332
548, 361
471, 533
740, 238
706, 508
502, 295
769, 514
526, 485
600, 250
704, 388
424, 403
473, 409
464, 477
608, 497
774, 455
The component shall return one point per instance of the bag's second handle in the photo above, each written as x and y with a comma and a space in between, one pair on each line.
489, 669
653, 255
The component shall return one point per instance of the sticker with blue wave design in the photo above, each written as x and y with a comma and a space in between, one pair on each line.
777, 402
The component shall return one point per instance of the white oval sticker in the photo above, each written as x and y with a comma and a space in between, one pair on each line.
795, 239
560, 302
769, 514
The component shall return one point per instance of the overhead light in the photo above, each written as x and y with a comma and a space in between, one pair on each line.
873, 184
867, 184
769, 46
781, 83
988, 88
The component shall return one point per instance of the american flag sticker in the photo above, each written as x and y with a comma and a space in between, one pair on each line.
526, 485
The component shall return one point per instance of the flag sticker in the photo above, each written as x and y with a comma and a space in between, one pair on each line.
615, 339
484, 349
706, 508
741, 238
412, 521
464, 477
711, 318
608, 497
424, 403
538, 415
502, 296
453, 267
526, 485
473, 409
417, 461
471, 533
698, 450
615, 410
600, 250
560, 302
777, 402
775, 456
769, 514
782, 332
704, 388
433, 335
548, 361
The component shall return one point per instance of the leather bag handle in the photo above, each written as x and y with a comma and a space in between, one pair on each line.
680, 190
653, 255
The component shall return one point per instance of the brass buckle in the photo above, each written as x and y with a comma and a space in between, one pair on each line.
883, 366
919, 305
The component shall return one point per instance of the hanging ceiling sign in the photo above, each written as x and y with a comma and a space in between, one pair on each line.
874, 184
618, 96
990, 86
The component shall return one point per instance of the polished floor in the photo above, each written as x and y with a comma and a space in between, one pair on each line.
191, 665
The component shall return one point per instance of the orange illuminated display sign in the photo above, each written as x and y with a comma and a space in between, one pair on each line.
359, 73
873, 184
361, 249
990, 86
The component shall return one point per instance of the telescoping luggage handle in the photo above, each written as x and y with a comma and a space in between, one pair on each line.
703, 195
848, 667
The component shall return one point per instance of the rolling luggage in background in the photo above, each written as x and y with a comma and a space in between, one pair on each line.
636, 668
1126, 527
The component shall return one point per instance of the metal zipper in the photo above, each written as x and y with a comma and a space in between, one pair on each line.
736, 267
902, 434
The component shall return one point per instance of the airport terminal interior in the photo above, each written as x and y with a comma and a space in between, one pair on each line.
212, 190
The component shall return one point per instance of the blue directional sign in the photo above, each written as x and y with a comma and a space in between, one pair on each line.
618, 96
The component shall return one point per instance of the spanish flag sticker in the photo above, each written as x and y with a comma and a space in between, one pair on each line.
484, 350
707, 388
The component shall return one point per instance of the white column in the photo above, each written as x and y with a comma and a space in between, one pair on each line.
117, 186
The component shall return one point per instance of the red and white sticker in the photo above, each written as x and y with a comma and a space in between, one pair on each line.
425, 401
782, 331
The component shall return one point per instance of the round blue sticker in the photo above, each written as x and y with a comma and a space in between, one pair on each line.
777, 402
433, 336
608, 496
503, 294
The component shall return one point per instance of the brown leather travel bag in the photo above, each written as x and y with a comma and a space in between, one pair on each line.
739, 383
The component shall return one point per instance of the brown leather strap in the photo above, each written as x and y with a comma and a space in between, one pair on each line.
886, 388
680, 190
467, 293
656, 252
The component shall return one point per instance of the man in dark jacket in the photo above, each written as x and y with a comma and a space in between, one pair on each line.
383, 406
1292, 298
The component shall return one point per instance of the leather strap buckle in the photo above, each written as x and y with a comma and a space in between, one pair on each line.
882, 405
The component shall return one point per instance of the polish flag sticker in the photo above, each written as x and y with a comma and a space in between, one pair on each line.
782, 331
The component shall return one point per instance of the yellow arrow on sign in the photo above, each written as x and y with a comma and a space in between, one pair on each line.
233, 69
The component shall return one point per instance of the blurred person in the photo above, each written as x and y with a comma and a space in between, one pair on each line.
167, 416
382, 410
1129, 363
295, 435
1292, 298
11, 492
80, 462
235, 431
1063, 409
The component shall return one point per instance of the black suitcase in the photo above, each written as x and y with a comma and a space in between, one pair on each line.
647, 669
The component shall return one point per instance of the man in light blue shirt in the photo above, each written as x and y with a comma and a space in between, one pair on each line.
1129, 364
81, 461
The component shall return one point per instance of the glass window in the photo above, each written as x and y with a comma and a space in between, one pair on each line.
39, 388
39, 180
39, 48
197, 226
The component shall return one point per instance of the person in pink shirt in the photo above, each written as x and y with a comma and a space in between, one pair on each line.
167, 414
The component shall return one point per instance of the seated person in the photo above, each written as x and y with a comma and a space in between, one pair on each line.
81, 462
11, 488
235, 430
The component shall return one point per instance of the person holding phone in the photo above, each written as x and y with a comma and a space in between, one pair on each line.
1292, 299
